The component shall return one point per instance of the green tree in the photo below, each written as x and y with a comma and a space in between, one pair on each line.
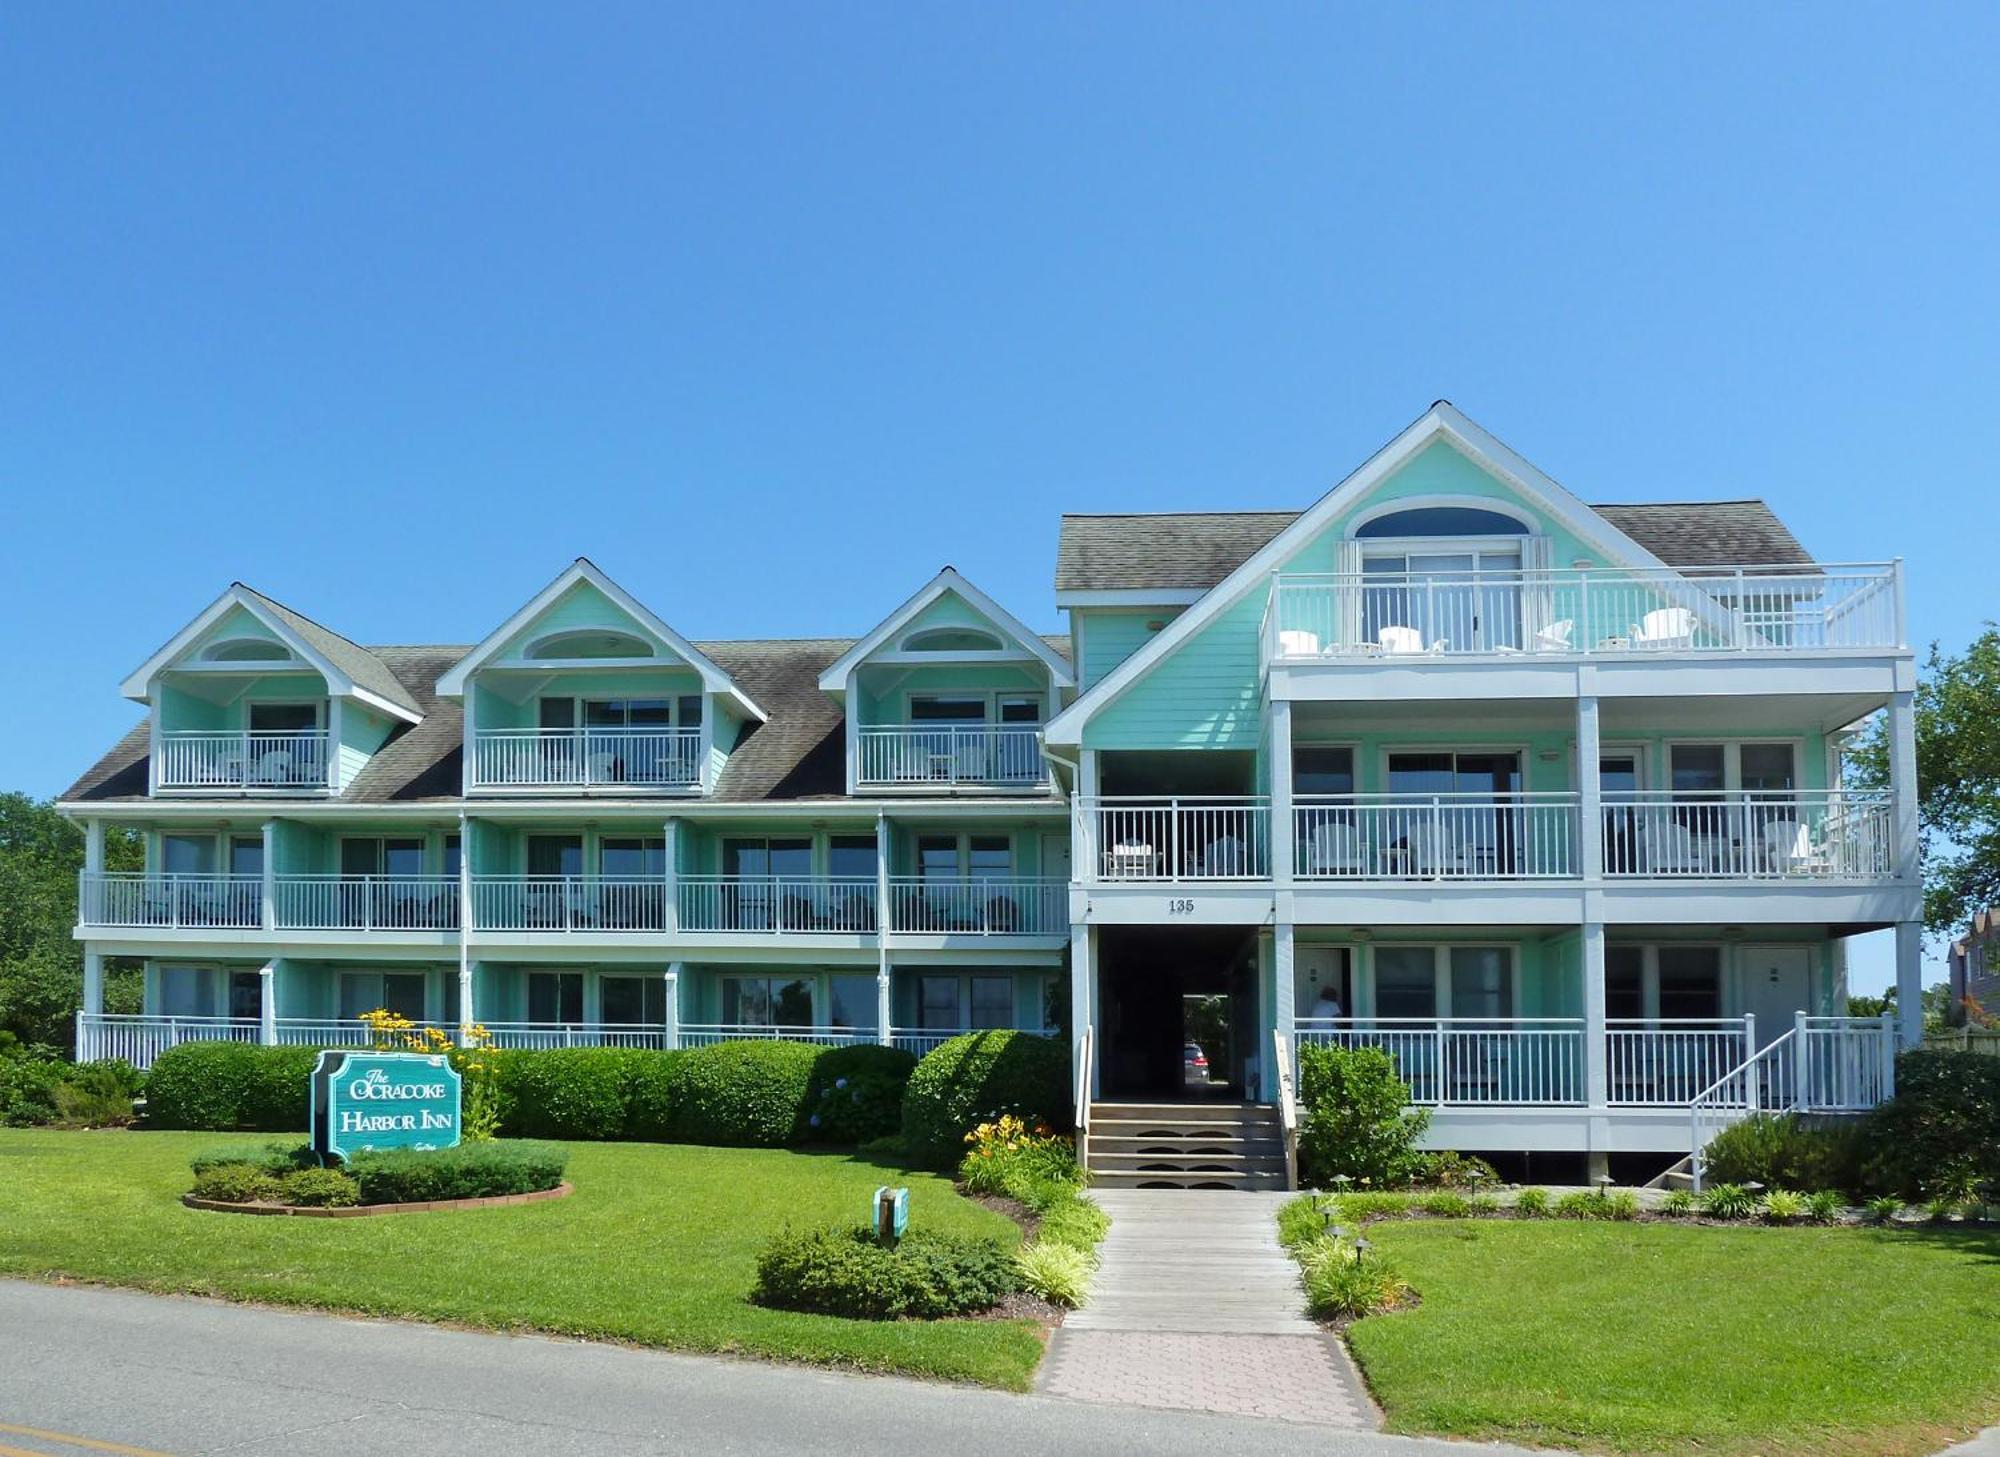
1958, 778
41, 965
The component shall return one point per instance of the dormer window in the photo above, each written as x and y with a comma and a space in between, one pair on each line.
952, 640
1442, 521
597, 642
247, 650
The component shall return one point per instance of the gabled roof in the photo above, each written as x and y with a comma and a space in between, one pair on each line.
834, 679
798, 754
452, 683
349, 668
1442, 421
1173, 552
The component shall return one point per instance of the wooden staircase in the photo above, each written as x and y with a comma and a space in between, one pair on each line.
1186, 1146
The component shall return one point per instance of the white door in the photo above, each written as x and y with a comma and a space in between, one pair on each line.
1055, 856
1317, 968
1775, 984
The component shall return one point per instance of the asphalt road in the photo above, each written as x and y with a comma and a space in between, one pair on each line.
138, 1375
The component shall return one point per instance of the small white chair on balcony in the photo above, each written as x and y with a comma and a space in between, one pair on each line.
1434, 849
1788, 847
1664, 627
1335, 848
1671, 849
1555, 637
1128, 860
1406, 642
273, 767
1296, 642
1225, 856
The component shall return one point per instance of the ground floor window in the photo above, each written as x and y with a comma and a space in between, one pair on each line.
979, 1003
1468, 983
187, 991
1665, 983
767, 1001
852, 1003
246, 995
401, 992
632, 1001
555, 996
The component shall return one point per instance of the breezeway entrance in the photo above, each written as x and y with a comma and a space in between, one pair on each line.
1178, 1012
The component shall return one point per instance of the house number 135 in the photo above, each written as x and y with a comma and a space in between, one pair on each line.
1181, 906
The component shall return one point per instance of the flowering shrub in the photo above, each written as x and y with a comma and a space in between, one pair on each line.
856, 1094
472, 1053
976, 1078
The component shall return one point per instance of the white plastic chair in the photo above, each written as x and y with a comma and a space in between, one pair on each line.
1555, 637
1787, 846
1335, 848
603, 768
1664, 627
1406, 641
1296, 642
1670, 846
1224, 856
274, 767
1433, 848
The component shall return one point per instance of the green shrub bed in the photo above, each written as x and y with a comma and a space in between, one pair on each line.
37, 1090
926, 1275
761, 1094
1038, 1170
978, 1078
290, 1175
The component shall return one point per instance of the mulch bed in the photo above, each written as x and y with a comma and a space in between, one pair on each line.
363, 1211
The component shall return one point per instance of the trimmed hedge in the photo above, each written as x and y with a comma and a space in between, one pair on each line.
977, 1078
742, 1094
856, 1093
469, 1171
845, 1272
764, 1094
218, 1086
36, 1090
1939, 1137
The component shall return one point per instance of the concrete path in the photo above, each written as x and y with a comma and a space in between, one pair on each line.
1196, 1307
156, 1374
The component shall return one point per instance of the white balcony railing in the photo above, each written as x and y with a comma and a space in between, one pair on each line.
569, 903
234, 759
589, 758
778, 904
135, 898
1598, 611
984, 756
1666, 1063
979, 907
1436, 836
1786, 836
702, 1034
365, 902
1480, 1061
1173, 838
140, 1039
541, 1036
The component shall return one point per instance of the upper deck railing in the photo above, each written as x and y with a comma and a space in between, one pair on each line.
587, 758
1601, 612
230, 759
950, 756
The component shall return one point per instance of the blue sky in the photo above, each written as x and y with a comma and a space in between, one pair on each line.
391, 311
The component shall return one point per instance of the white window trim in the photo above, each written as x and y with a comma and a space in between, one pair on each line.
962, 1014
1440, 972
988, 698
964, 840
1499, 506
1732, 760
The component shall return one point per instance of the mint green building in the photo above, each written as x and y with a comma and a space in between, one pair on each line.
1545, 798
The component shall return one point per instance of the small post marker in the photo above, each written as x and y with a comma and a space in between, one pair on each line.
892, 1215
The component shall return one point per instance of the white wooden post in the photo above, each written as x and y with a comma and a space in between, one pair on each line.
1285, 1008
1085, 870
1888, 1054
270, 877
93, 983
470, 758
1910, 981
1284, 858
1081, 1012
1750, 1098
267, 1004
884, 1001
466, 1019
1590, 791
670, 1026
1801, 1074
1903, 783
93, 846
670, 877
1596, 1045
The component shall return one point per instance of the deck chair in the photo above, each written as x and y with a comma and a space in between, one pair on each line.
1224, 856
1434, 849
1670, 846
1296, 642
1555, 637
1664, 627
1406, 641
1787, 846
1335, 848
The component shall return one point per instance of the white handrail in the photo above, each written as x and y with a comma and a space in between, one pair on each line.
1173, 837
1083, 1072
1514, 835
657, 758
1288, 1110
242, 759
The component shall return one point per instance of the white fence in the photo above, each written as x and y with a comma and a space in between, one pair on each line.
1175, 838
1467, 1062
1816, 1065
587, 758
1436, 836
203, 759
979, 907
778, 904
569, 903
987, 756
140, 1039
1779, 835
1602, 611
702, 1034
366, 902
1667, 1063
134, 898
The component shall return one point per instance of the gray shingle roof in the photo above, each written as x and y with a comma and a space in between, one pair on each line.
361, 664
1182, 550
797, 755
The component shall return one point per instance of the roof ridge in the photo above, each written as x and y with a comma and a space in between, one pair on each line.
266, 597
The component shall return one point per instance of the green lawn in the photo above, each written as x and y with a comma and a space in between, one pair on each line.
657, 1245
1656, 1338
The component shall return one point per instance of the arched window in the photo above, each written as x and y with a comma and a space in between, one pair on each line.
247, 650
1442, 521
592, 642
951, 640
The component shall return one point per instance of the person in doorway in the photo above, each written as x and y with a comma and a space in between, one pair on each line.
1327, 1004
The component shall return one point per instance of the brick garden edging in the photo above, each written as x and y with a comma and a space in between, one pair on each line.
362, 1211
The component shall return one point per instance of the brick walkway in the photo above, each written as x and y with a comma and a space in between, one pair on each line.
1196, 1307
